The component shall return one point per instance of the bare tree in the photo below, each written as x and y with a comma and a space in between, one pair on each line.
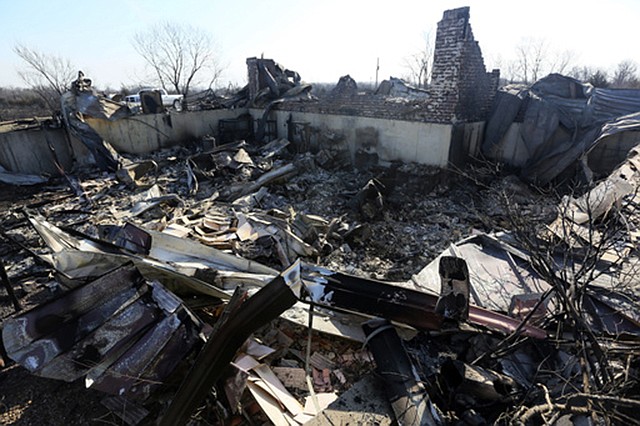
626, 75
581, 73
531, 57
535, 58
418, 64
48, 75
561, 61
177, 53
597, 77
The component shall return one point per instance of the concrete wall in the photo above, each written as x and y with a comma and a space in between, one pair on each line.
433, 144
410, 141
150, 132
27, 151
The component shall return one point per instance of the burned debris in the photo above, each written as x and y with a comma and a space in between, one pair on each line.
558, 121
260, 263
89, 332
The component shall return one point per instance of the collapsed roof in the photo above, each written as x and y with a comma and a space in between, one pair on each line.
560, 121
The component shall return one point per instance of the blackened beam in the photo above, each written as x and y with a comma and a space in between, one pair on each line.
408, 397
7, 284
481, 384
335, 290
453, 303
261, 308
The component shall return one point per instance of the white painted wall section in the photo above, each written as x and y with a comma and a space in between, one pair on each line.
150, 132
408, 141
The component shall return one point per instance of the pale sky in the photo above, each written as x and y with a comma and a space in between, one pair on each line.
322, 40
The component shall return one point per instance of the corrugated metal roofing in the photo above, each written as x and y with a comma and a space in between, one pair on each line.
122, 332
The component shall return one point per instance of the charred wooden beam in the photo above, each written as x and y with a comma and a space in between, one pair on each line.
408, 397
264, 306
7, 284
453, 303
283, 172
480, 384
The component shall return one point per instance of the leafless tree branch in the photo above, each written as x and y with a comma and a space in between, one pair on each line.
418, 64
177, 54
48, 75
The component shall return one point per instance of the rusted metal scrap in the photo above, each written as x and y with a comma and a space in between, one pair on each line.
122, 332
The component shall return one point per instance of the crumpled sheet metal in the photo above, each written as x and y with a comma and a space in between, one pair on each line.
175, 261
497, 272
123, 333
563, 120
83, 100
243, 316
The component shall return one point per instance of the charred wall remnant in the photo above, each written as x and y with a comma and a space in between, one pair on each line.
459, 81
346, 86
461, 89
437, 126
28, 146
270, 80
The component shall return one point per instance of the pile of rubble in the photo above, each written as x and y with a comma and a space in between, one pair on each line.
247, 283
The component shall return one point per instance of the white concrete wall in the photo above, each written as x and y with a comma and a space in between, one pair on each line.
410, 141
395, 140
149, 132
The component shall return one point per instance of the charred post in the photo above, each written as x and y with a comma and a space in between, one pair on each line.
408, 397
7, 284
453, 303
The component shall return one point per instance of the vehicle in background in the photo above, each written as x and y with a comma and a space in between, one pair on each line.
174, 101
